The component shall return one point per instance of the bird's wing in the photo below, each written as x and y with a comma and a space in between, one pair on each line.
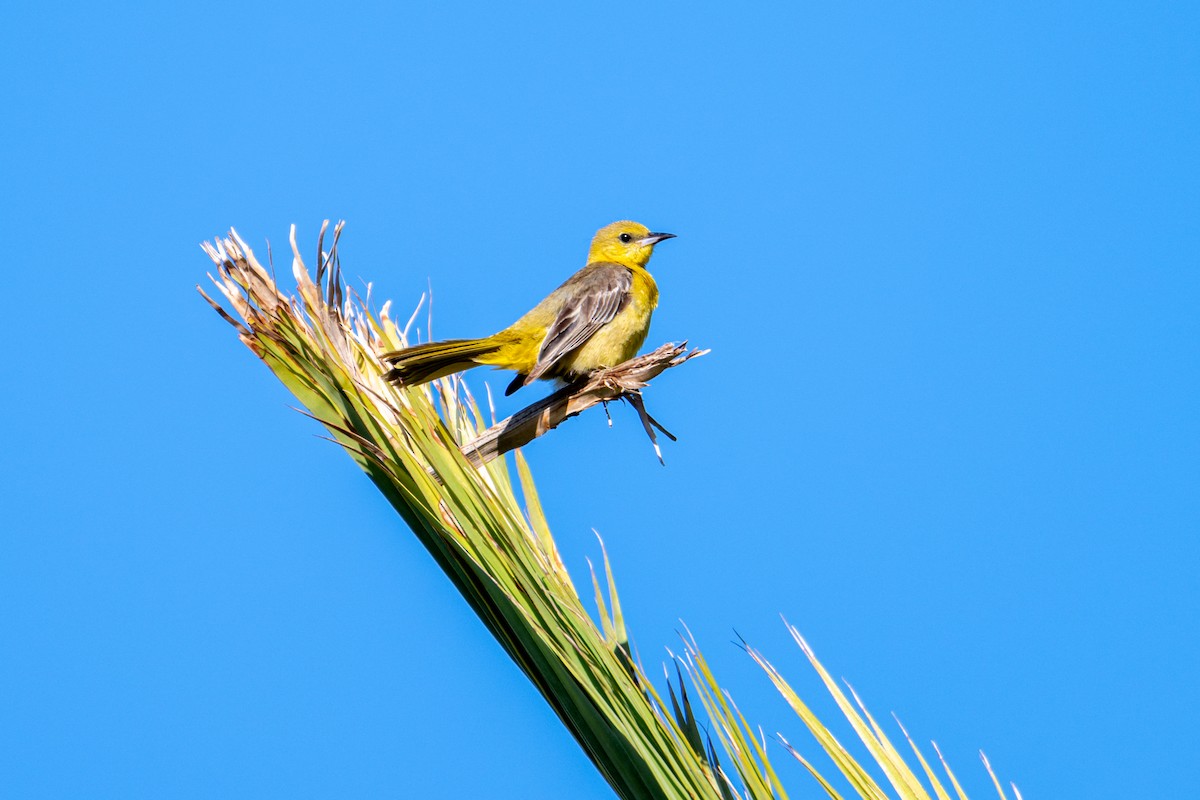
599, 295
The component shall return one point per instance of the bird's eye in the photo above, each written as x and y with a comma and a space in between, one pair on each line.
626, 238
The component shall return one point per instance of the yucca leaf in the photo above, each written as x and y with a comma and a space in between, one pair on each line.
324, 345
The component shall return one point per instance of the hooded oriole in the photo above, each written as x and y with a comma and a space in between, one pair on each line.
598, 318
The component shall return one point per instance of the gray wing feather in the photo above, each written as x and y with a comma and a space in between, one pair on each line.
602, 295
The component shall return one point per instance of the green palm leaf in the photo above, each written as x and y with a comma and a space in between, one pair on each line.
323, 344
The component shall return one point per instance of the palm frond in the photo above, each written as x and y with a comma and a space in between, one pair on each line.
324, 344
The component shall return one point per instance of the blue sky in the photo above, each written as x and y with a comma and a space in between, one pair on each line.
947, 263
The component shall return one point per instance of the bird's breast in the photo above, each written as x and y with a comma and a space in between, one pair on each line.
644, 289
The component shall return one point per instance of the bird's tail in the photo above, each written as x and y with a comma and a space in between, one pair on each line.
426, 362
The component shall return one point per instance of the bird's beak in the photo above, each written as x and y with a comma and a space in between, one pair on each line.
655, 238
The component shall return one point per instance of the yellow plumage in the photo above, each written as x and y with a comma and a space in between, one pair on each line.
598, 318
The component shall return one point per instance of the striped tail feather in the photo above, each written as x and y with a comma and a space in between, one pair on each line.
426, 362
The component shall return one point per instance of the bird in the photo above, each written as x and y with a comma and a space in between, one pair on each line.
597, 318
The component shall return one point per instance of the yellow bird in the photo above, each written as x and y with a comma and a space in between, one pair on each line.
598, 318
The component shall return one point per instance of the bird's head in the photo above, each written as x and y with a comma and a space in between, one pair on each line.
625, 242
